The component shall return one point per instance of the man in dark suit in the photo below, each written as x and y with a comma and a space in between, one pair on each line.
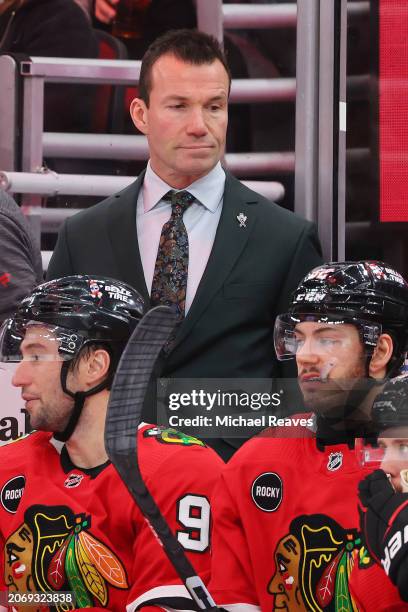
246, 254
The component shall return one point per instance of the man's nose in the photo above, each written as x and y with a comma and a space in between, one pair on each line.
306, 353
197, 125
21, 374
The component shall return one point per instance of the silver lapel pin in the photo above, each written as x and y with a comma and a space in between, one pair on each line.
242, 219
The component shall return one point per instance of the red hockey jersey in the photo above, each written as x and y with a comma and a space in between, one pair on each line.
286, 530
67, 529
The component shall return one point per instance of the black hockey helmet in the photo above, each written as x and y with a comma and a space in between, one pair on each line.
390, 408
80, 309
369, 294
389, 418
76, 311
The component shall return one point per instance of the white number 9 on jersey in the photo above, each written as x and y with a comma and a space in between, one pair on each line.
193, 513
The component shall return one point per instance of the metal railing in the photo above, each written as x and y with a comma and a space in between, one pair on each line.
313, 19
52, 184
125, 147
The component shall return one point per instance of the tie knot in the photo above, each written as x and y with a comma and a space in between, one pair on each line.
180, 201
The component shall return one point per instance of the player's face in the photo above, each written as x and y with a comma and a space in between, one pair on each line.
395, 457
329, 358
18, 560
285, 582
186, 120
38, 375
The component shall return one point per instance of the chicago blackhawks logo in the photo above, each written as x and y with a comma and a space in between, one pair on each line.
313, 564
171, 436
53, 550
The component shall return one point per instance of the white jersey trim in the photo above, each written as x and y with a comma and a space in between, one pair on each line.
163, 592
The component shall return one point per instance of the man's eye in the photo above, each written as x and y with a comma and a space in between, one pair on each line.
215, 107
35, 357
176, 106
403, 449
282, 567
327, 341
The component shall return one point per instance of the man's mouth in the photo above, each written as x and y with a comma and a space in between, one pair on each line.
311, 377
197, 147
29, 399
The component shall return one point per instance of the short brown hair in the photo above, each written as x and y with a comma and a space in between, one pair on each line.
190, 46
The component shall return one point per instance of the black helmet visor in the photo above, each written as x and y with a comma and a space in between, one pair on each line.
287, 341
37, 341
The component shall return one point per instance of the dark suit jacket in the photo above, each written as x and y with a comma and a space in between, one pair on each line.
249, 278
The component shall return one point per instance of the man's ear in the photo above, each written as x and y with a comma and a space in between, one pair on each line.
95, 367
138, 112
381, 357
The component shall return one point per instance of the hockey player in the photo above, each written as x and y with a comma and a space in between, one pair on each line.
286, 527
384, 493
71, 535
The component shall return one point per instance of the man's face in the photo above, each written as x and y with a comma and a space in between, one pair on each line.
186, 120
329, 360
38, 375
395, 457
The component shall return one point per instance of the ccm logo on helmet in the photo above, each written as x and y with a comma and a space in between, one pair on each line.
11, 493
394, 545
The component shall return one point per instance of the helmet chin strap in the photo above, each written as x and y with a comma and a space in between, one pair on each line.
79, 400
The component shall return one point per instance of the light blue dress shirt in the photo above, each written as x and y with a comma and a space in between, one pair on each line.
201, 221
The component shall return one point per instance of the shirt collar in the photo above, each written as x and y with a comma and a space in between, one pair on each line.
208, 189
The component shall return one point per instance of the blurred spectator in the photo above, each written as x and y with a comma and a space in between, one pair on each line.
160, 16
20, 257
86, 5
52, 28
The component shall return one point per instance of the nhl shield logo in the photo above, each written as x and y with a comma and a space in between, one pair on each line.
335, 461
73, 480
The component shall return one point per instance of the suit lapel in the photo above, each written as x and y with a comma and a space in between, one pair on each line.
230, 240
121, 229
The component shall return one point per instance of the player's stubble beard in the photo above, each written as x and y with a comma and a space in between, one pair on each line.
52, 415
330, 398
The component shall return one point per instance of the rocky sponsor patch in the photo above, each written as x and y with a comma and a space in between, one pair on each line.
267, 491
11, 493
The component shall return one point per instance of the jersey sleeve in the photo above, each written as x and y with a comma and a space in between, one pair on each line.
371, 589
232, 577
182, 487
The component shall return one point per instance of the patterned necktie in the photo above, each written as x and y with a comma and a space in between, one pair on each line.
170, 273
